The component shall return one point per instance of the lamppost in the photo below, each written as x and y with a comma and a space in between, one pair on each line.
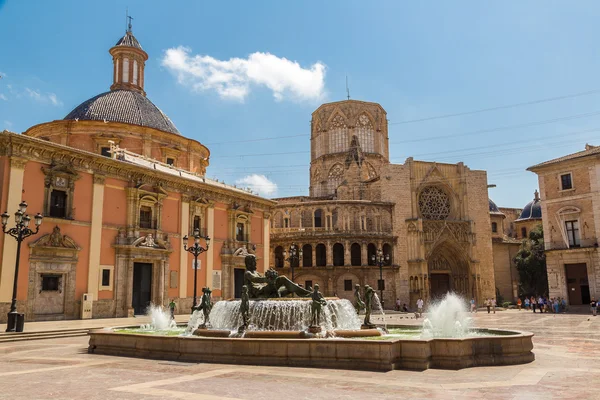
196, 250
295, 255
19, 232
379, 259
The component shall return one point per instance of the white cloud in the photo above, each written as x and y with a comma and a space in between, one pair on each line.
234, 78
3, 97
259, 184
43, 98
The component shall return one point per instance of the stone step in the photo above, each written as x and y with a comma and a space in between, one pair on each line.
23, 336
51, 331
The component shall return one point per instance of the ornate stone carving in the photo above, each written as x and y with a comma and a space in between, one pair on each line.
16, 162
148, 241
56, 239
434, 203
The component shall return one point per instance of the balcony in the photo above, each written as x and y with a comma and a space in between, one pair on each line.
560, 245
332, 231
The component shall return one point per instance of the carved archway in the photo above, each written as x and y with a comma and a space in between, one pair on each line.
449, 270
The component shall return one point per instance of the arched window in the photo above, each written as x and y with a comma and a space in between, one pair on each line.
334, 178
338, 255
307, 255
371, 251
524, 233
494, 227
364, 130
321, 253
318, 218
387, 251
355, 254
279, 257
338, 135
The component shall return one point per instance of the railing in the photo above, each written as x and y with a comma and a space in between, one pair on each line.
323, 229
561, 245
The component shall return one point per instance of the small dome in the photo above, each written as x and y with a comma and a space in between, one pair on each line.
493, 207
129, 41
126, 106
532, 210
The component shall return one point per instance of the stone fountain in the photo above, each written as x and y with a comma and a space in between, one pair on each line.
268, 326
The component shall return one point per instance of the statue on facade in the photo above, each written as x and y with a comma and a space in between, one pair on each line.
205, 306
358, 305
318, 301
148, 241
369, 294
271, 284
244, 309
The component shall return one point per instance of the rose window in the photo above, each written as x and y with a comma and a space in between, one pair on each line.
434, 203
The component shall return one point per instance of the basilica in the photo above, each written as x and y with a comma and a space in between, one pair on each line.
119, 187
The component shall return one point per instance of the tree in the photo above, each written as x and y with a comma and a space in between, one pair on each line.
531, 265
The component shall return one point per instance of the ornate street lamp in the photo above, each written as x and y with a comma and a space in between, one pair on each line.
196, 250
295, 255
19, 232
379, 259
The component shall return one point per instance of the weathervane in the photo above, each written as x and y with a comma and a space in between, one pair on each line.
347, 88
128, 18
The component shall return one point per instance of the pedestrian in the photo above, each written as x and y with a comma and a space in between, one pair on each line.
473, 307
556, 305
494, 305
533, 303
397, 304
420, 307
540, 303
519, 304
593, 305
172, 306
404, 308
564, 305
488, 304
527, 303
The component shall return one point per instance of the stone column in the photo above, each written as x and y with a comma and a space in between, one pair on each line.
347, 254
364, 259
95, 236
314, 255
329, 254
267, 240
183, 259
210, 231
9, 253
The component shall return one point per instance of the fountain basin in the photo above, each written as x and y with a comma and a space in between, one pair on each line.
510, 347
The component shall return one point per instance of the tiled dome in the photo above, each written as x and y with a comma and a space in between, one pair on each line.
533, 209
127, 106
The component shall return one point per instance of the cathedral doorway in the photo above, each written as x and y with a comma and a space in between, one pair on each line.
440, 285
448, 271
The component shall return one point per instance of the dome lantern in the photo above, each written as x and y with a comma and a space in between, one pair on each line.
129, 60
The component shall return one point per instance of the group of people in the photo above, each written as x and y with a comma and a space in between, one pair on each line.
490, 304
543, 304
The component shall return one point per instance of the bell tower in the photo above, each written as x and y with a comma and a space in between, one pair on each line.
129, 60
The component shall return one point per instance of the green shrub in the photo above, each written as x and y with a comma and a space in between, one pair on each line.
506, 304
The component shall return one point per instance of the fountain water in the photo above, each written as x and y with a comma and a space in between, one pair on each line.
160, 319
278, 315
447, 318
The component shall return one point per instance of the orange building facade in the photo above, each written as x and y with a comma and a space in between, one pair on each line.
119, 187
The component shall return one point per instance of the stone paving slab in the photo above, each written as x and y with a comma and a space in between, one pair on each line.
567, 366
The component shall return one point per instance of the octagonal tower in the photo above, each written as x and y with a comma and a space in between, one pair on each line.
349, 143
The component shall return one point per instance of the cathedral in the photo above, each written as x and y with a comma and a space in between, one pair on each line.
418, 229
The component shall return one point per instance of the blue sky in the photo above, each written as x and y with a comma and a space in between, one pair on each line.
417, 59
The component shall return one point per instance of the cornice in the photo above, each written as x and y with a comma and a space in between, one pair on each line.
34, 149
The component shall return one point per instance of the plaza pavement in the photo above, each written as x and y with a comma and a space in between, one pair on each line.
567, 366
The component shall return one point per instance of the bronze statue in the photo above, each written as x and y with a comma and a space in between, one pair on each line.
244, 309
205, 305
359, 305
318, 301
369, 294
270, 285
